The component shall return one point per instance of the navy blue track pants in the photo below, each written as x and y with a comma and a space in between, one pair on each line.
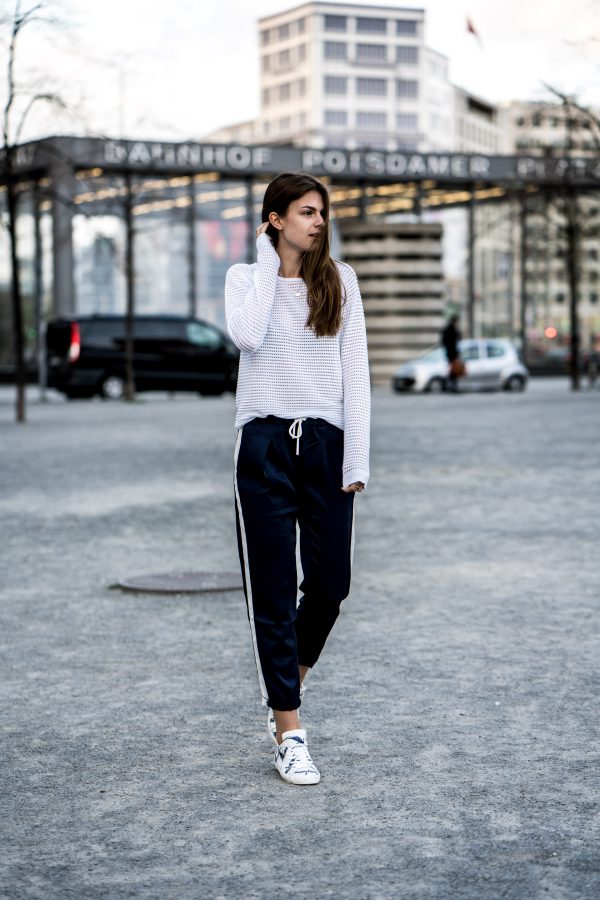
282, 482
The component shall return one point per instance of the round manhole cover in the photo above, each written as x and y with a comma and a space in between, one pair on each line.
183, 582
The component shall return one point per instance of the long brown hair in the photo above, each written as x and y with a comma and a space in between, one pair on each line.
323, 283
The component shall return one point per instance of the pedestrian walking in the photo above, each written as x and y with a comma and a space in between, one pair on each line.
302, 452
592, 367
450, 338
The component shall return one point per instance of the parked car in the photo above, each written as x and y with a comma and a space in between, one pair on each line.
86, 356
491, 364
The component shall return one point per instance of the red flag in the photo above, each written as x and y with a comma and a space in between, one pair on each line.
472, 30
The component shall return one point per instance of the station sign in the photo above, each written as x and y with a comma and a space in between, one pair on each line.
231, 160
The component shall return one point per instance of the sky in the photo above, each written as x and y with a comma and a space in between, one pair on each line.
178, 70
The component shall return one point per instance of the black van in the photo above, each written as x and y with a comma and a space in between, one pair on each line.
86, 356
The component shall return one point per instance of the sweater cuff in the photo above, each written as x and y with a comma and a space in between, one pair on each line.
264, 244
355, 475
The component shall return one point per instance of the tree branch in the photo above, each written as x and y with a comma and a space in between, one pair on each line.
53, 99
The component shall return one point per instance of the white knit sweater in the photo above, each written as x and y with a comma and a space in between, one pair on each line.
285, 370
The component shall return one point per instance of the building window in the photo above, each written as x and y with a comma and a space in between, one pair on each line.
336, 117
406, 142
266, 96
283, 32
300, 53
594, 297
560, 298
370, 26
407, 88
335, 50
336, 84
335, 23
592, 253
284, 58
406, 27
284, 92
407, 121
376, 53
374, 120
371, 87
266, 63
284, 123
302, 120
300, 26
407, 55
301, 87
264, 37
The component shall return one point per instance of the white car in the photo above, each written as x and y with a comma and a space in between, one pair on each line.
491, 364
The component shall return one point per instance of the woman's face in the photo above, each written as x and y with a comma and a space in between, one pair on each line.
302, 222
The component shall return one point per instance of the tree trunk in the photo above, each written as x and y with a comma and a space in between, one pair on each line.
573, 277
17, 307
130, 280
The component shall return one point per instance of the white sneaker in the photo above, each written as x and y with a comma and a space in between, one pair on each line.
292, 759
271, 723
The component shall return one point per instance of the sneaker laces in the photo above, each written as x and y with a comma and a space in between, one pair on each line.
296, 756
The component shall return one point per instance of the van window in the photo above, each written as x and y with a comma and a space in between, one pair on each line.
158, 329
203, 335
103, 333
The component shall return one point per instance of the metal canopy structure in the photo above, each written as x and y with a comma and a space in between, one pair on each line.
39, 158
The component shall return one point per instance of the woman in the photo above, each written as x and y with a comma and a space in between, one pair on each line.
303, 404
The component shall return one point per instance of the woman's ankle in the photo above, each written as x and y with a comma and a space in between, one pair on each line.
285, 720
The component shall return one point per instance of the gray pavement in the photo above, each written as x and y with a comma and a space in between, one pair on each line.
454, 714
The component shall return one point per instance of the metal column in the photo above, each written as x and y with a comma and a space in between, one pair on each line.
63, 197
471, 267
523, 261
250, 235
192, 254
38, 293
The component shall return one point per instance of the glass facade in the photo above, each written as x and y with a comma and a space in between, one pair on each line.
26, 245
187, 232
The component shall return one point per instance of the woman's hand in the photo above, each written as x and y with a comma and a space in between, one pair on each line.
354, 488
262, 229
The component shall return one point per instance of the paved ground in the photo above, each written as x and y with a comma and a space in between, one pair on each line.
454, 715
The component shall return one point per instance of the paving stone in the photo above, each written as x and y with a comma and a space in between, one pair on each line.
453, 715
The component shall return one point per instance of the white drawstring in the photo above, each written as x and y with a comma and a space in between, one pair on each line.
295, 431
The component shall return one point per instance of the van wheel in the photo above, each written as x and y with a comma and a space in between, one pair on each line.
113, 387
435, 386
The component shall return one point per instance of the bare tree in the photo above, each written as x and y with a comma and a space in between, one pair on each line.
11, 134
575, 115
559, 215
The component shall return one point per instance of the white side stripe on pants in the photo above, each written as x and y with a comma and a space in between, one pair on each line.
261, 680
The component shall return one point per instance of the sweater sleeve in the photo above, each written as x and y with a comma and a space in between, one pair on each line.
249, 296
356, 384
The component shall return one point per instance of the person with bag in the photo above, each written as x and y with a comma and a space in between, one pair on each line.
450, 339
302, 452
